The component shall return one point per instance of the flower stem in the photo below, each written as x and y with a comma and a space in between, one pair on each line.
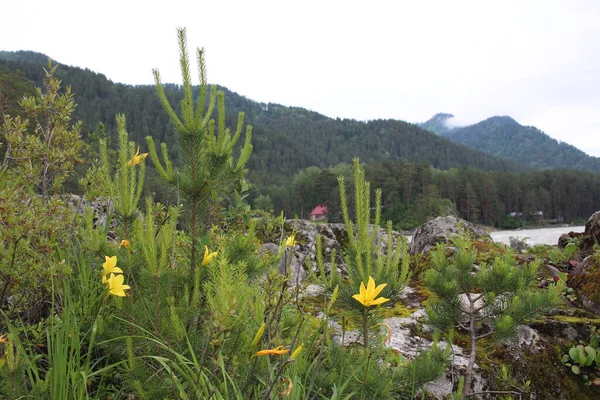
365, 328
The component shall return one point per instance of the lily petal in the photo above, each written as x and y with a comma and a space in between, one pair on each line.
378, 289
371, 286
378, 301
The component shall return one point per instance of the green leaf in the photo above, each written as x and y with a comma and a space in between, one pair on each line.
574, 354
570, 249
576, 369
591, 355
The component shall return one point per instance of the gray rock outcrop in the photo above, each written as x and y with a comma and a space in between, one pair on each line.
440, 230
333, 239
592, 230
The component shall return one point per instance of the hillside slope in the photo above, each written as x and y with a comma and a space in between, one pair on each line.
286, 139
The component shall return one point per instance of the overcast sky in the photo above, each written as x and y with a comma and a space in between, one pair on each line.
537, 61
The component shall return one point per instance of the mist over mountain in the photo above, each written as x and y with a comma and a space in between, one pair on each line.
438, 124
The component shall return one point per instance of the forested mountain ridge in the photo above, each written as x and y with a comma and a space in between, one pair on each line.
286, 139
422, 174
502, 136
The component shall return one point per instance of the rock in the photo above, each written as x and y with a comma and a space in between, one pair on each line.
554, 272
440, 230
333, 239
585, 279
592, 230
101, 209
528, 338
517, 244
313, 290
566, 238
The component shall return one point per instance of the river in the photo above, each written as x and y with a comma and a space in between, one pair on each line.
536, 236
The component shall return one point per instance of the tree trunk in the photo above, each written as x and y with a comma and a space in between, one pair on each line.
473, 334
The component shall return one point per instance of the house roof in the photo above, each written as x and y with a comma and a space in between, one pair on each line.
319, 210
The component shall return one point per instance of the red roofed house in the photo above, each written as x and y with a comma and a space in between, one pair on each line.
319, 213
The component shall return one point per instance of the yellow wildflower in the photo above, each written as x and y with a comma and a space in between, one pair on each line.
137, 158
125, 243
208, 256
367, 294
267, 352
115, 285
3, 338
290, 241
110, 267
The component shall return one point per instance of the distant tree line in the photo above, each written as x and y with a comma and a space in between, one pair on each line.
416, 192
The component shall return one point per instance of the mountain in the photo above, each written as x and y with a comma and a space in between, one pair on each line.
286, 139
506, 138
422, 174
438, 123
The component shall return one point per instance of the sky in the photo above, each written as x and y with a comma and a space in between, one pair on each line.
536, 61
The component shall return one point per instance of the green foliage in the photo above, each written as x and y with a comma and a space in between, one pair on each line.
44, 148
365, 259
122, 182
263, 203
583, 356
489, 300
206, 148
558, 256
364, 256
41, 154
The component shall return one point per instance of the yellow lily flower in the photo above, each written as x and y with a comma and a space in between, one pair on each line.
367, 294
115, 285
110, 267
290, 241
267, 352
137, 158
125, 243
208, 256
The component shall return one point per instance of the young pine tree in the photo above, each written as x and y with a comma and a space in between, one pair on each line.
208, 165
492, 300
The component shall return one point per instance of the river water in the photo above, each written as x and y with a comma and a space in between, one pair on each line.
536, 236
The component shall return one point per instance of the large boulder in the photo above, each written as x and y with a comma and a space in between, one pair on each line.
441, 230
592, 231
585, 279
